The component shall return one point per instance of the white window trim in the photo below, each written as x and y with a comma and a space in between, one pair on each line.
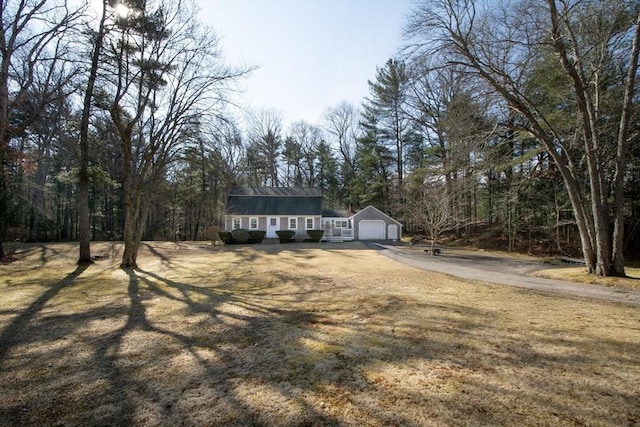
293, 220
257, 223
306, 223
233, 222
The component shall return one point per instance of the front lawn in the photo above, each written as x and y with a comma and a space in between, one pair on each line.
302, 334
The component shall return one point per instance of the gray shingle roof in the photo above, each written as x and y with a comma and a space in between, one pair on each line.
277, 191
335, 213
274, 201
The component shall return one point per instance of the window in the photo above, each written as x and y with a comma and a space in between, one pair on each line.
273, 222
236, 223
253, 223
341, 224
309, 224
293, 223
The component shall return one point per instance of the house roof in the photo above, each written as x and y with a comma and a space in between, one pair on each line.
335, 213
371, 209
277, 191
274, 201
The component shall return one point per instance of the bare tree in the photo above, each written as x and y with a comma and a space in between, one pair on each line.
221, 149
429, 207
448, 107
84, 237
166, 77
226, 141
34, 61
596, 46
44, 141
303, 142
341, 123
265, 135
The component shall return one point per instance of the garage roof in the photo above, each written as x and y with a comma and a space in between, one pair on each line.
371, 212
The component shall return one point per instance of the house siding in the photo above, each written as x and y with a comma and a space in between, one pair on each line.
283, 203
301, 230
301, 226
372, 214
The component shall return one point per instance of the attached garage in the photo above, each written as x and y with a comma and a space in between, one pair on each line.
373, 224
372, 230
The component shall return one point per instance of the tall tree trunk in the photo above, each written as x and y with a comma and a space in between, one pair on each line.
4, 145
621, 157
84, 232
2, 212
66, 215
37, 198
129, 254
565, 46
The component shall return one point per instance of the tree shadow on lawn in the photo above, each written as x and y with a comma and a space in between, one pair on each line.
125, 378
182, 353
296, 249
214, 370
12, 334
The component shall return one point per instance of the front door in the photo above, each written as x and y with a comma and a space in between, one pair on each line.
273, 225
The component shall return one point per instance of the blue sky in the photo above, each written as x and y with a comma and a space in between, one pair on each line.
311, 54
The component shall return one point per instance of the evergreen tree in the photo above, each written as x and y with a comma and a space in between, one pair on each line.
388, 103
374, 161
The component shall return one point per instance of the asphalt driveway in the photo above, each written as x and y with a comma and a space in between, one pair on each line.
498, 270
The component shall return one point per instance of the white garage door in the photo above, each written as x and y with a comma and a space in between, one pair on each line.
371, 230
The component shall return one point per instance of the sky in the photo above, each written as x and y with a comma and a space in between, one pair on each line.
311, 54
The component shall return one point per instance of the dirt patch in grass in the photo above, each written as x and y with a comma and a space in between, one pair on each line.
302, 334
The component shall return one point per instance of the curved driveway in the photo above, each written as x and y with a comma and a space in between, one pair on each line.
496, 270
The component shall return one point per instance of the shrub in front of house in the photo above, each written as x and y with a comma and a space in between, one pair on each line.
256, 236
286, 236
225, 236
240, 235
315, 235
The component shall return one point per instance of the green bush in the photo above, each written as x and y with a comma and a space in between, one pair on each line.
225, 236
286, 236
315, 235
256, 236
240, 235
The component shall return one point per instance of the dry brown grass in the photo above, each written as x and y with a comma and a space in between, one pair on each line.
301, 335
580, 275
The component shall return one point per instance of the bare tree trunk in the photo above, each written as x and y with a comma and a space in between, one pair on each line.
37, 199
27, 28
129, 254
621, 157
83, 175
558, 219
132, 194
66, 215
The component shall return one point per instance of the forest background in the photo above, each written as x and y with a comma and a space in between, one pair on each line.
515, 121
